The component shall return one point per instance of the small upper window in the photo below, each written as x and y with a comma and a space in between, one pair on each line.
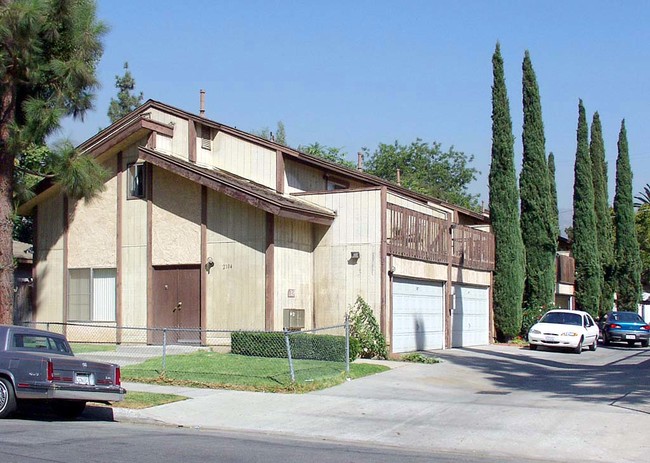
135, 181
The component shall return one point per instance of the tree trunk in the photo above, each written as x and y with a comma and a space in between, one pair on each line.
6, 214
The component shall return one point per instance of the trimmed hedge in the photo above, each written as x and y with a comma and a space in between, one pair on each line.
303, 346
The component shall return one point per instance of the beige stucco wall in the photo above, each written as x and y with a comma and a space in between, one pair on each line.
293, 269
338, 279
239, 157
430, 271
176, 220
49, 265
236, 242
134, 258
92, 227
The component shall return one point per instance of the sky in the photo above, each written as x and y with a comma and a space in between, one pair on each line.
353, 74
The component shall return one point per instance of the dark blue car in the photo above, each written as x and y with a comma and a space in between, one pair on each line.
624, 327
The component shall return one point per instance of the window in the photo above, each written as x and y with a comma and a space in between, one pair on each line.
135, 181
91, 295
24, 341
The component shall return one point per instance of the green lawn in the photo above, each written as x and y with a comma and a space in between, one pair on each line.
82, 348
229, 371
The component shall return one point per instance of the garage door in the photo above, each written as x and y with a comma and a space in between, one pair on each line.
470, 317
417, 315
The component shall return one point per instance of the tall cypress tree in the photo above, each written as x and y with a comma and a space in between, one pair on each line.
555, 213
536, 228
628, 260
585, 244
509, 266
604, 226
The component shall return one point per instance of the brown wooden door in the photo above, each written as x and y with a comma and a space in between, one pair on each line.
176, 298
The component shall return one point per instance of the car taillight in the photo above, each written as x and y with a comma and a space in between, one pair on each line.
118, 377
50, 371
646, 328
614, 326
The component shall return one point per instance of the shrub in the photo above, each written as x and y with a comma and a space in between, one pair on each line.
416, 357
365, 329
303, 345
530, 316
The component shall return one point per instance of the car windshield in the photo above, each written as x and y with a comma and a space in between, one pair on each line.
625, 317
562, 318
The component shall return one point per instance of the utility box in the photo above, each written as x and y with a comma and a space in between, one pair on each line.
294, 319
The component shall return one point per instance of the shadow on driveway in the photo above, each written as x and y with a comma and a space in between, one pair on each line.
611, 375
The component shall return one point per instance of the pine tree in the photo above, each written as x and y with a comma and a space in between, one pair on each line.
509, 266
585, 244
48, 55
126, 101
604, 226
628, 261
540, 241
555, 213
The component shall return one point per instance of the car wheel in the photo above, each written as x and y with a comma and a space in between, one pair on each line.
631, 343
594, 346
532, 346
578, 348
7, 398
68, 408
644, 343
606, 340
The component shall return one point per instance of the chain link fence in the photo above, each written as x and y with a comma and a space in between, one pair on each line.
213, 358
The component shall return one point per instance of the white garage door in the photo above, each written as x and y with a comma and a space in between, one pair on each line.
470, 317
417, 315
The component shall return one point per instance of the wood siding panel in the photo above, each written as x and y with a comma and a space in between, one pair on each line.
338, 279
93, 227
49, 267
176, 219
236, 242
293, 269
418, 206
300, 177
180, 142
241, 158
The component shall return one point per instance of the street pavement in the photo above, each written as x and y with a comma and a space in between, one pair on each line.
495, 401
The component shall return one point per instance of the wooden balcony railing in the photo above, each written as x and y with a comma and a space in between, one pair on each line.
419, 236
566, 269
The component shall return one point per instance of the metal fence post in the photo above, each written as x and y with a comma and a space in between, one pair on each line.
164, 352
347, 346
291, 370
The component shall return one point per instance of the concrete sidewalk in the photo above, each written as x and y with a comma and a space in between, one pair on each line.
447, 407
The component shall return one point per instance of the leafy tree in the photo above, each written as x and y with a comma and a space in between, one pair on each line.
642, 222
427, 169
605, 237
540, 240
555, 213
585, 244
644, 196
626, 247
509, 267
126, 101
365, 329
48, 57
280, 136
329, 153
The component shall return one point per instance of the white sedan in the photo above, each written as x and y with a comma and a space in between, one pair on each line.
564, 328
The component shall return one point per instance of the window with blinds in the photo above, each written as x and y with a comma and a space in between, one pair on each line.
91, 295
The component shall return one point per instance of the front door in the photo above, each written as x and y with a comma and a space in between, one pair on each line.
177, 306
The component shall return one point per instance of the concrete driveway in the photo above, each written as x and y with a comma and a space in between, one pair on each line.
500, 402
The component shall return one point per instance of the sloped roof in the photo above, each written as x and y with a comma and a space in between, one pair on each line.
239, 188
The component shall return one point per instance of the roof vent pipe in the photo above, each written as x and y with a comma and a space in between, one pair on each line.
202, 107
399, 177
360, 161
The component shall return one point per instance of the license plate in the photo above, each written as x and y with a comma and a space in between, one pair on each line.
549, 338
630, 336
84, 379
